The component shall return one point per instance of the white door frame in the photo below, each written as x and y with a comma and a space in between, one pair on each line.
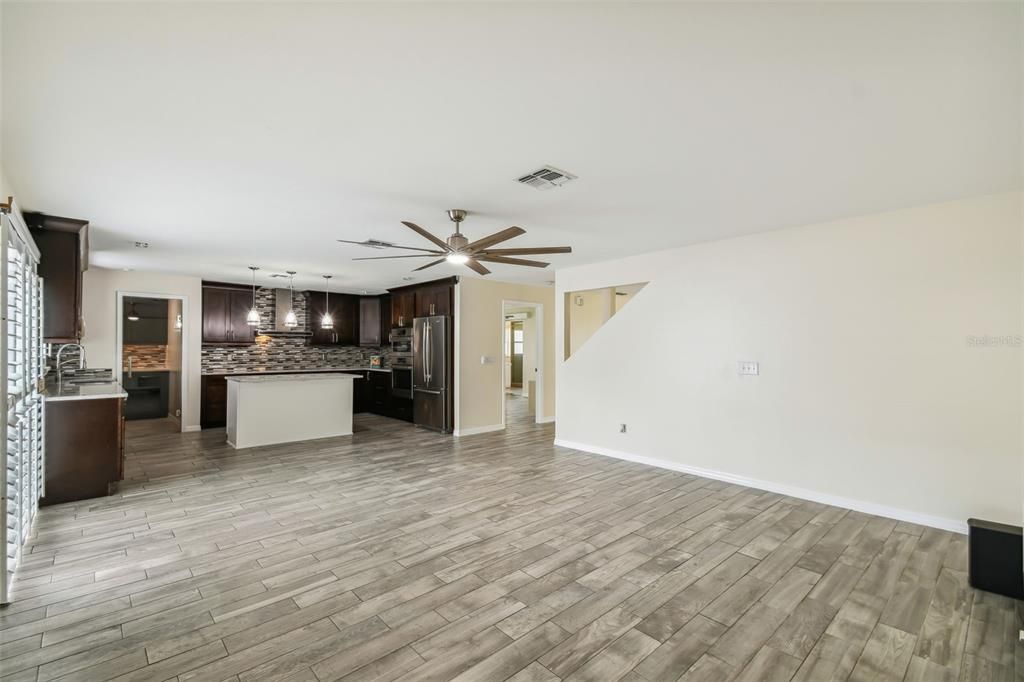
119, 341
538, 314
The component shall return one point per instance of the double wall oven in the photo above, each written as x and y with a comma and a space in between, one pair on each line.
401, 362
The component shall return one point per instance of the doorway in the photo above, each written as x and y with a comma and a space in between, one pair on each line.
522, 371
151, 339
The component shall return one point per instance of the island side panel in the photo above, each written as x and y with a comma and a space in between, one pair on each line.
268, 410
231, 422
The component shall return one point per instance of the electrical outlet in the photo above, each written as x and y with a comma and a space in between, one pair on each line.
622, 428
748, 368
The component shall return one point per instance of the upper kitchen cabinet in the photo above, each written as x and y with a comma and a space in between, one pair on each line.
344, 312
64, 255
374, 320
403, 308
224, 311
434, 299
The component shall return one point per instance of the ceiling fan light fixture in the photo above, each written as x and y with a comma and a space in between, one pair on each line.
457, 258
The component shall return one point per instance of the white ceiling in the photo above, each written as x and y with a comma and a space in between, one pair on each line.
229, 134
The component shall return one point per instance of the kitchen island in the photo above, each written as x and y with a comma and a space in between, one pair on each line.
283, 408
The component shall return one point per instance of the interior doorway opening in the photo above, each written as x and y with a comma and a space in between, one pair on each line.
522, 372
151, 354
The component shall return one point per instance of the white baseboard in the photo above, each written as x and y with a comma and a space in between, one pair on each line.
479, 429
193, 427
545, 420
896, 513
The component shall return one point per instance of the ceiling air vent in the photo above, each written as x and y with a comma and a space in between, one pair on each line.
546, 178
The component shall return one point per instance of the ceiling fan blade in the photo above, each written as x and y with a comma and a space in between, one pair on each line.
388, 246
528, 251
512, 261
431, 264
474, 265
423, 233
411, 255
504, 235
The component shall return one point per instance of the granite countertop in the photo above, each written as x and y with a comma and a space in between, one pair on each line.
306, 376
69, 391
299, 371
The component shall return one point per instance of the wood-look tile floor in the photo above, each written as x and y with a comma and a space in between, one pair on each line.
399, 554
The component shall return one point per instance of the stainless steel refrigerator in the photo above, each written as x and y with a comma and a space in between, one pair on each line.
431, 375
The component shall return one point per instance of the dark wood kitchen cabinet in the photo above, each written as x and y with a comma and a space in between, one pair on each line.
213, 405
224, 313
434, 299
63, 257
345, 313
374, 320
84, 448
403, 308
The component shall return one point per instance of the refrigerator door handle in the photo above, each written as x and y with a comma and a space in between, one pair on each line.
428, 358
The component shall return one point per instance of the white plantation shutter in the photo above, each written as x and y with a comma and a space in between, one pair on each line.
21, 346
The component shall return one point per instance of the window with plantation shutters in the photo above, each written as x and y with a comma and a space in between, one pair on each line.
21, 346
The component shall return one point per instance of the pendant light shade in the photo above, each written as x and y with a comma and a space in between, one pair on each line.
291, 320
327, 322
133, 314
253, 318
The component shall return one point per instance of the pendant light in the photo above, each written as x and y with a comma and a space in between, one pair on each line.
133, 314
253, 318
291, 320
327, 322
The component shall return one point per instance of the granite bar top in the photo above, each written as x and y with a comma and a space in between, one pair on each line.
69, 391
297, 371
306, 376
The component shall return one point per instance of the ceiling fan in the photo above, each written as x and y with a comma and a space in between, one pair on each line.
459, 250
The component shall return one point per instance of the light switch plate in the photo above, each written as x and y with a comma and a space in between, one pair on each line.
748, 368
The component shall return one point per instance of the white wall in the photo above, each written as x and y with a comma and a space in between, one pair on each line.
99, 312
870, 389
480, 387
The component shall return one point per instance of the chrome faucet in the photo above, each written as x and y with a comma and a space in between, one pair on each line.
60, 362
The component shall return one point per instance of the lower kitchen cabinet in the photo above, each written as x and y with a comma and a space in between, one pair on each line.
84, 448
213, 405
371, 393
148, 394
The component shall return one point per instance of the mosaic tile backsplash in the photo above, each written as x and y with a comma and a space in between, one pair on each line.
283, 350
144, 356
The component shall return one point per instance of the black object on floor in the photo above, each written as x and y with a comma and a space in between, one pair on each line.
995, 558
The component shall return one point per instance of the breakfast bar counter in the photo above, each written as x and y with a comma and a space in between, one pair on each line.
283, 408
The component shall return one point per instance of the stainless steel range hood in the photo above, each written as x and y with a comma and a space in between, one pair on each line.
282, 304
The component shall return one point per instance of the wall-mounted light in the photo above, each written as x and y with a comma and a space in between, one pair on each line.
253, 318
327, 322
178, 324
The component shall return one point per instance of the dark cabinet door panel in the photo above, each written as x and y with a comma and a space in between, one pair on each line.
369, 321
83, 449
215, 315
240, 303
63, 251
